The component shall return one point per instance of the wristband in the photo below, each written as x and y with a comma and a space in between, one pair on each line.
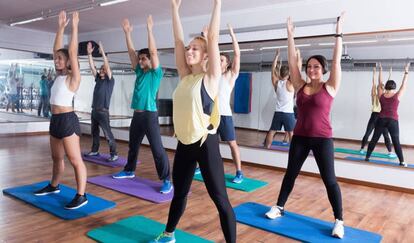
339, 35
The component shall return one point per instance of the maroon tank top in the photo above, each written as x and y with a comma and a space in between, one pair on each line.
389, 107
313, 114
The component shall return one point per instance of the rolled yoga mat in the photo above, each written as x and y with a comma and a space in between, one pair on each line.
55, 203
138, 229
356, 152
248, 185
102, 159
137, 187
299, 227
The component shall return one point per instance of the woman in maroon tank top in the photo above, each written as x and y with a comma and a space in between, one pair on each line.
313, 130
388, 117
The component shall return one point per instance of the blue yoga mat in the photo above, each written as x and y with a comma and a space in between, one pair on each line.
377, 161
298, 227
280, 143
54, 203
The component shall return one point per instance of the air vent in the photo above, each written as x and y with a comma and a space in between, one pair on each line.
365, 64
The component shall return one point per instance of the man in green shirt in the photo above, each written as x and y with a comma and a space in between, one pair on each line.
145, 120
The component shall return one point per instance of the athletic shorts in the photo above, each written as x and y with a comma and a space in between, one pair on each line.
226, 129
64, 125
287, 120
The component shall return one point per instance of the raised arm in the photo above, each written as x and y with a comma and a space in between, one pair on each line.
335, 76
155, 62
73, 54
90, 49
214, 66
180, 62
58, 44
276, 69
126, 26
106, 61
373, 89
380, 87
403, 86
295, 76
235, 65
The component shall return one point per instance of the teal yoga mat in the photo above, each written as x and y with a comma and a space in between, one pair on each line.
138, 229
248, 185
356, 152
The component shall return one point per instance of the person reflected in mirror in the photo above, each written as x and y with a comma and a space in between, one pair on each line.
64, 128
104, 85
44, 97
283, 115
313, 131
376, 108
389, 99
196, 118
145, 119
12, 88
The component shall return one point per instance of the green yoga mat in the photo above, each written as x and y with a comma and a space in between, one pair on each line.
248, 185
138, 229
356, 152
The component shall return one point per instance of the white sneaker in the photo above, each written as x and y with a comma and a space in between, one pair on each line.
338, 229
275, 212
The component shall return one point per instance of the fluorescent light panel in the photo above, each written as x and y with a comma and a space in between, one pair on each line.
281, 47
401, 39
26, 21
112, 2
360, 42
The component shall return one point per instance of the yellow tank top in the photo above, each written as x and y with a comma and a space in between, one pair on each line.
376, 106
190, 122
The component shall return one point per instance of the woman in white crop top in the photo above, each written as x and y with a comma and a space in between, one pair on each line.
64, 124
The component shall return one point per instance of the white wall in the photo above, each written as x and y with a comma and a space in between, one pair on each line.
121, 95
25, 39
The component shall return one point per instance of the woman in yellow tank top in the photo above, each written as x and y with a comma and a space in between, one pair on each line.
196, 118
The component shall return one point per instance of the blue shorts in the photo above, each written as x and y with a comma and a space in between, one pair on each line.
226, 129
287, 120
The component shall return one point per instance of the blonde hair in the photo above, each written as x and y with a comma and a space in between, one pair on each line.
202, 39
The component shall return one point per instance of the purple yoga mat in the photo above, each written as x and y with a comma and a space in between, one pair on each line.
137, 187
101, 159
280, 148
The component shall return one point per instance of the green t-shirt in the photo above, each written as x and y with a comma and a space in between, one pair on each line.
146, 88
44, 89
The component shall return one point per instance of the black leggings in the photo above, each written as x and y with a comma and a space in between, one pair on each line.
370, 127
393, 128
322, 149
146, 124
211, 166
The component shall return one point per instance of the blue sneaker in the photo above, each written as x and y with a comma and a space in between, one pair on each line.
164, 238
361, 151
123, 174
197, 171
166, 187
238, 178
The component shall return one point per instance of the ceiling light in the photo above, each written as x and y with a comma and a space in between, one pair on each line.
111, 2
281, 47
360, 42
241, 50
401, 39
26, 21
326, 44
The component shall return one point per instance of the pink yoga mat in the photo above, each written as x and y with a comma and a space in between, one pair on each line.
101, 159
137, 187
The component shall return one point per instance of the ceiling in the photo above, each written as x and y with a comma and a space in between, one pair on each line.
101, 18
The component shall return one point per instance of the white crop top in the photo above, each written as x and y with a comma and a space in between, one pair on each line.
60, 94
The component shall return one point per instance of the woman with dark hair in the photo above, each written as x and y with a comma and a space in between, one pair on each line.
196, 118
313, 129
64, 124
376, 108
388, 117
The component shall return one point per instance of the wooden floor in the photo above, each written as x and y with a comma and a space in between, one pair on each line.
26, 159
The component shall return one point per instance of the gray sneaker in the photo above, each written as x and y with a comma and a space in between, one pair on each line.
113, 158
